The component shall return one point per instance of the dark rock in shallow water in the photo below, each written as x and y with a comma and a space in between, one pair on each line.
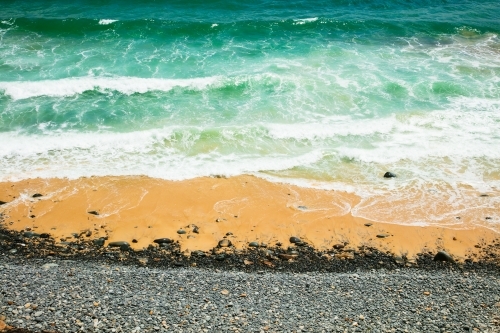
37, 195
389, 175
162, 241
443, 256
93, 212
30, 234
99, 242
224, 243
2, 202
294, 240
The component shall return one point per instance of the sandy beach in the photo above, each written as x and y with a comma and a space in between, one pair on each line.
200, 212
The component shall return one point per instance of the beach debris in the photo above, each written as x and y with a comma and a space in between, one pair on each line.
426, 293
162, 241
295, 240
443, 256
253, 244
181, 231
383, 235
389, 174
37, 195
93, 212
224, 243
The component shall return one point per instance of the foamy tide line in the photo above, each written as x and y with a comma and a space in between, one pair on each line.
72, 86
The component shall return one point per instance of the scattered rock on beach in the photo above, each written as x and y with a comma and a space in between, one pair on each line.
181, 231
2, 202
93, 212
389, 174
338, 246
30, 234
383, 235
99, 242
37, 195
443, 256
162, 241
295, 240
253, 244
119, 244
368, 224
224, 243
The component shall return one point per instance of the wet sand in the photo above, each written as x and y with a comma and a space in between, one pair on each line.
245, 208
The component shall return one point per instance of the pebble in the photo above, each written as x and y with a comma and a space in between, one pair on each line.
93, 212
389, 174
443, 256
181, 231
253, 244
383, 235
162, 241
119, 244
295, 240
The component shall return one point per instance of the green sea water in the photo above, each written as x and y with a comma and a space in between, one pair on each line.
329, 94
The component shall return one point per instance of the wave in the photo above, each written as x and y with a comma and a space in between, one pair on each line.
343, 27
126, 85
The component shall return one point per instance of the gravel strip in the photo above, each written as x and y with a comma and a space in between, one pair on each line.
82, 296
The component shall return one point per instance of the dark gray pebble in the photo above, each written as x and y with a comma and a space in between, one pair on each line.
181, 231
93, 212
389, 175
37, 195
162, 241
295, 240
443, 256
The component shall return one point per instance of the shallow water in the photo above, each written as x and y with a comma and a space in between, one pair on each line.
321, 94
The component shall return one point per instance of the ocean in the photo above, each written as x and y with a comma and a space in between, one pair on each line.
328, 94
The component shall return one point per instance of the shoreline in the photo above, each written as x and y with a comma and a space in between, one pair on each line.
199, 213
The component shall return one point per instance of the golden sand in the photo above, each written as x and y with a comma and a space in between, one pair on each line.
250, 208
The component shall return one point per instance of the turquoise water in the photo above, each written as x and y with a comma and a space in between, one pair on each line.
322, 93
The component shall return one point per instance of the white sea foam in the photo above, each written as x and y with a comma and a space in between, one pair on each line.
72, 86
106, 21
304, 21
